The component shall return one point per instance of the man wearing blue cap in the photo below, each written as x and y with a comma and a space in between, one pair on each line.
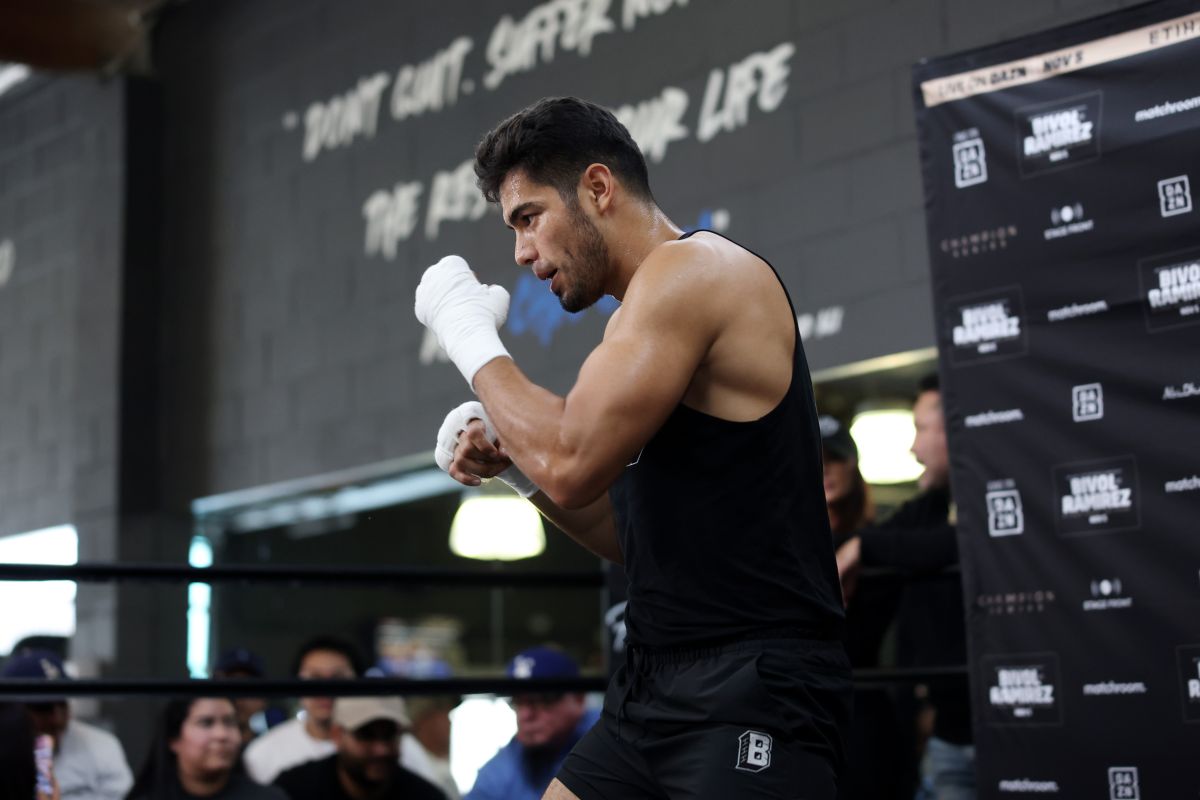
548, 726
88, 762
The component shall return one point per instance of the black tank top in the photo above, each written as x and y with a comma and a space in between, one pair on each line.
724, 527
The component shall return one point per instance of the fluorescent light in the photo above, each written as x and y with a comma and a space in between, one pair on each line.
345, 501
45, 608
199, 614
11, 75
884, 437
497, 528
479, 727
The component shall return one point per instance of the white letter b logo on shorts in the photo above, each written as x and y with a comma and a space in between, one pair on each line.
754, 751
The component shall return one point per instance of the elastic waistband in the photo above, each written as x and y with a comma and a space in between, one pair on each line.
751, 641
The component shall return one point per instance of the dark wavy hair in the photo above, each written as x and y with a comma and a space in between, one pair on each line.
18, 772
554, 141
855, 510
159, 775
334, 644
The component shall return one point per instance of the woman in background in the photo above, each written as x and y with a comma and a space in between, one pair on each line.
195, 754
847, 495
875, 753
18, 768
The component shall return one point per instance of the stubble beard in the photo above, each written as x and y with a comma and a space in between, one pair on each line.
588, 258
356, 771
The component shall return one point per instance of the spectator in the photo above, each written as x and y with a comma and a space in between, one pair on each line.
425, 747
875, 763
366, 764
308, 736
88, 762
847, 495
18, 774
548, 726
195, 755
920, 538
254, 715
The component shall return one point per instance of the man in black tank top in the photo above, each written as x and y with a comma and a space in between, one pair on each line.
688, 450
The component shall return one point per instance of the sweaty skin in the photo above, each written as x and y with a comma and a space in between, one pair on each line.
703, 322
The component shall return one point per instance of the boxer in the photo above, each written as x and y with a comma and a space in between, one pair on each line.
688, 450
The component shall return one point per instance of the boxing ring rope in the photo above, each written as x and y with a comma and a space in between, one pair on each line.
298, 573
365, 576
398, 577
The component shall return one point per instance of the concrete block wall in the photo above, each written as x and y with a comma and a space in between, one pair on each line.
285, 352
60, 168
289, 353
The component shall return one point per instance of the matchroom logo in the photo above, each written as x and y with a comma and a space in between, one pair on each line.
1064, 133
1021, 689
1189, 676
1170, 287
1097, 496
986, 326
970, 159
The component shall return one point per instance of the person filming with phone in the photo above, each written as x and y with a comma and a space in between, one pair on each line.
88, 762
26, 759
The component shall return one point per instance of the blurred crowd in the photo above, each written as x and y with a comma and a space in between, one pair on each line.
908, 739
248, 749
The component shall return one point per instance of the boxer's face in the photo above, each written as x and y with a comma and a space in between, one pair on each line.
557, 238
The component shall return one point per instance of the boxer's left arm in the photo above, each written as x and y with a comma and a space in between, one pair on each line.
575, 447
476, 456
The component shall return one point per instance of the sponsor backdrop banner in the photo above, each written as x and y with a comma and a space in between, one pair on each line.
1059, 175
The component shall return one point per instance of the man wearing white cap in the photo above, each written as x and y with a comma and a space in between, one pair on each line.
366, 766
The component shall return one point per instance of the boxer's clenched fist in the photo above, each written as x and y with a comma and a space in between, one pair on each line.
463, 314
467, 450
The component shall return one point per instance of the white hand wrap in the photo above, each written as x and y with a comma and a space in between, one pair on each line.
463, 314
447, 441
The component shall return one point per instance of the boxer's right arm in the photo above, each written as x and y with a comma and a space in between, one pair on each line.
592, 526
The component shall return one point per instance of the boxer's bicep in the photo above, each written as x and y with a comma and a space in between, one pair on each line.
632, 382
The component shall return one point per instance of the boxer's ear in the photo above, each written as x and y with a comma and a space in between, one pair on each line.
597, 186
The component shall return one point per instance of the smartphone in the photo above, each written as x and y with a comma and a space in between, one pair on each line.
43, 756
